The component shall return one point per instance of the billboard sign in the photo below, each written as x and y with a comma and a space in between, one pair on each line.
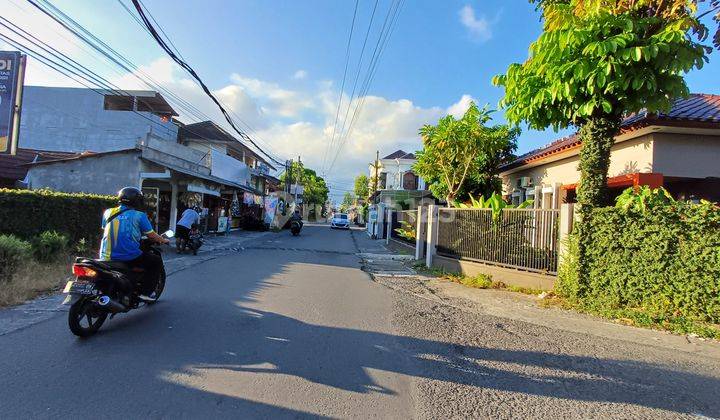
12, 69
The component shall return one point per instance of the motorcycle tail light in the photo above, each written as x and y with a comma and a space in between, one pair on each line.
82, 271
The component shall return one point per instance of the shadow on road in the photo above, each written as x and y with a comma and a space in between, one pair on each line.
204, 324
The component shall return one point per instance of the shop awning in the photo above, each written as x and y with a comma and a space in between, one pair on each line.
203, 176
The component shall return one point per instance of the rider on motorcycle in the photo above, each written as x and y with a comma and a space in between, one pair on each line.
123, 227
296, 217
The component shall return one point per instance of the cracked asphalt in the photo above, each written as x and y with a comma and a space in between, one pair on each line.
291, 327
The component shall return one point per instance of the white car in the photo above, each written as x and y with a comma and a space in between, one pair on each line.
340, 221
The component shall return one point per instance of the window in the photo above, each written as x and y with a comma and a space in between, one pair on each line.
342, 216
119, 103
410, 181
382, 182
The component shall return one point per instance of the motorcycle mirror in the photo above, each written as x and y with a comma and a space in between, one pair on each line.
169, 234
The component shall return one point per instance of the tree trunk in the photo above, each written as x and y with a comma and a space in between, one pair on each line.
597, 136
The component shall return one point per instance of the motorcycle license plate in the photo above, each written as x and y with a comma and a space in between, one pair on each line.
79, 287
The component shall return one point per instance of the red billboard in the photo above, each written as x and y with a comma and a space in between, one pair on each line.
12, 73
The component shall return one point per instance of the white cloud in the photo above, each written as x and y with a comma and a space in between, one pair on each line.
479, 28
458, 109
300, 74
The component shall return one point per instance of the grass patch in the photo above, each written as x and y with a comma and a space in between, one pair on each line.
33, 279
480, 281
640, 317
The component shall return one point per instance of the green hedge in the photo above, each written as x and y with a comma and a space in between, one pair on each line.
27, 214
665, 261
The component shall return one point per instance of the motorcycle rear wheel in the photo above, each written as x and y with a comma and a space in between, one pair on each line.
84, 318
159, 287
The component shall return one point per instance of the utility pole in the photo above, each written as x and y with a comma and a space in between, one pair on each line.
297, 180
377, 169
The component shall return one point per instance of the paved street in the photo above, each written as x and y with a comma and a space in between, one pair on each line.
291, 327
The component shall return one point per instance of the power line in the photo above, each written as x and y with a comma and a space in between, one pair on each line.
359, 70
118, 59
342, 87
109, 53
383, 39
195, 76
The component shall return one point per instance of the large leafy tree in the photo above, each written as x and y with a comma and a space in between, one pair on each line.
315, 190
462, 156
362, 186
598, 60
347, 202
595, 62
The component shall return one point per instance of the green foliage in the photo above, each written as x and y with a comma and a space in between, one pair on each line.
348, 201
664, 262
315, 191
601, 62
82, 247
26, 214
49, 246
13, 252
406, 230
495, 202
361, 189
596, 61
643, 199
461, 153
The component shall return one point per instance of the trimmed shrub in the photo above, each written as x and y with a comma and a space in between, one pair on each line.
49, 246
26, 214
665, 261
13, 252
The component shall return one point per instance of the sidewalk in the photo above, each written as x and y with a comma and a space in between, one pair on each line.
46, 307
393, 271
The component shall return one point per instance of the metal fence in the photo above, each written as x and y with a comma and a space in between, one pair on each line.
404, 226
517, 238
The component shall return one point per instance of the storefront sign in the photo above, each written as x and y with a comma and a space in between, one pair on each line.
201, 187
222, 224
12, 69
271, 204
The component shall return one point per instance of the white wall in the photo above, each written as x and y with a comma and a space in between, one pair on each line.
74, 120
686, 155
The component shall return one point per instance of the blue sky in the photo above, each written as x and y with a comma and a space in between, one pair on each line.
279, 65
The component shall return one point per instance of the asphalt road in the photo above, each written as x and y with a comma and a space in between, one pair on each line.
291, 327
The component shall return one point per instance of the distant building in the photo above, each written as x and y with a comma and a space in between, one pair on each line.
398, 185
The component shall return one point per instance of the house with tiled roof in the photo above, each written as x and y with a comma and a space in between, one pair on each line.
678, 150
398, 185
14, 168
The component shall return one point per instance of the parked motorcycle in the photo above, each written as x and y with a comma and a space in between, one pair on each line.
103, 288
196, 240
193, 243
295, 227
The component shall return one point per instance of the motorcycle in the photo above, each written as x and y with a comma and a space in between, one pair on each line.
295, 227
107, 288
194, 242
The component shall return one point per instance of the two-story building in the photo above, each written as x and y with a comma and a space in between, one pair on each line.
398, 186
129, 140
678, 150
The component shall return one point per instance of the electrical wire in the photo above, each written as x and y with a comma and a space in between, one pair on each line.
195, 76
342, 87
383, 39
